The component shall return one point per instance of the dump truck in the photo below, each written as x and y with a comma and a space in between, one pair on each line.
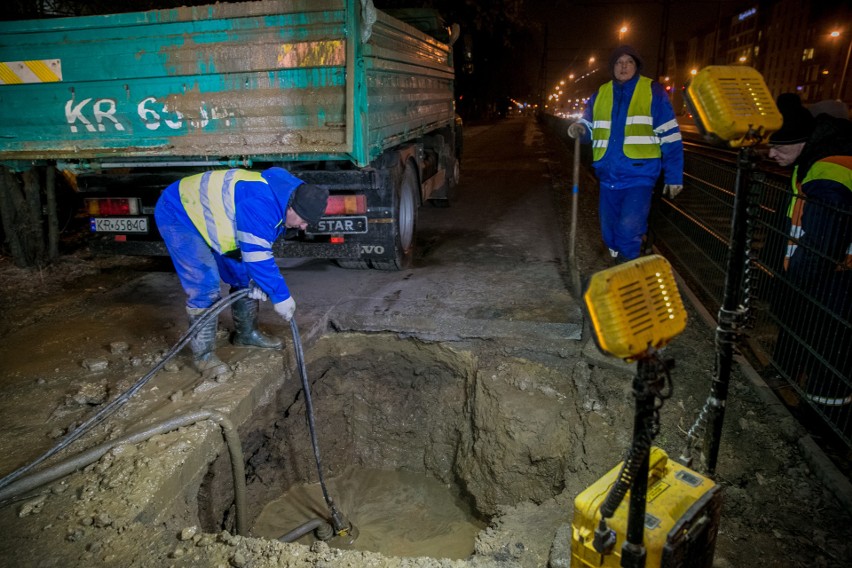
339, 93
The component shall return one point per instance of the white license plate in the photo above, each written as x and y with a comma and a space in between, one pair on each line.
338, 226
119, 224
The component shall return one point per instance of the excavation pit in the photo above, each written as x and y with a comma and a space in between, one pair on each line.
497, 436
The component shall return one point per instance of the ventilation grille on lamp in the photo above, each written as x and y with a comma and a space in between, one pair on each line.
635, 306
729, 102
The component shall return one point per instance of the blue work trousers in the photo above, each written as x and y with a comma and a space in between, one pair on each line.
198, 267
624, 219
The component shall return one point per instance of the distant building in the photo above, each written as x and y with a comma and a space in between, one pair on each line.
800, 46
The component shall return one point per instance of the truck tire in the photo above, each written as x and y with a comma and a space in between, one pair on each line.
405, 202
352, 264
448, 190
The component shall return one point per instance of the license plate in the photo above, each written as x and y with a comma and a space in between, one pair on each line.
338, 226
119, 224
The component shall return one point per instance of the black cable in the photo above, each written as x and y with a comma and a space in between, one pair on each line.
309, 409
107, 410
658, 386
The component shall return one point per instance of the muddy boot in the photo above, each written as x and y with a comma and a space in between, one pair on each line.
203, 345
244, 312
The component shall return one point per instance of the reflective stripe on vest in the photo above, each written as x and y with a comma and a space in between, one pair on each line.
640, 140
833, 168
208, 200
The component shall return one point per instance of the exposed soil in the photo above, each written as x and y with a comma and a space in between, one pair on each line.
522, 438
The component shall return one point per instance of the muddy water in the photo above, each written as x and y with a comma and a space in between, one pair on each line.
396, 513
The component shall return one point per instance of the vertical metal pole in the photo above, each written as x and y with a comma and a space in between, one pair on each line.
727, 326
633, 551
841, 91
52, 213
572, 234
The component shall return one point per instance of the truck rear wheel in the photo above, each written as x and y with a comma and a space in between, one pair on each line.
352, 264
405, 203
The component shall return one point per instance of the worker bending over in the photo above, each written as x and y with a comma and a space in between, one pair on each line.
221, 224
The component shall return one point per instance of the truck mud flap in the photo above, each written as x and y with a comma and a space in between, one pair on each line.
296, 249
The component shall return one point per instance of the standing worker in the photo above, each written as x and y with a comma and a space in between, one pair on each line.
634, 135
222, 224
815, 311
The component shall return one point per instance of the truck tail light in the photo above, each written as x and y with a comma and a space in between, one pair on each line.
112, 206
346, 205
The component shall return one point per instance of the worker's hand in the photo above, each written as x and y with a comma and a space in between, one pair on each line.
671, 190
576, 130
255, 293
286, 309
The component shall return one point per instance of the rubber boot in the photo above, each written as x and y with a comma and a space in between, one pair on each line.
244, 312
203, 345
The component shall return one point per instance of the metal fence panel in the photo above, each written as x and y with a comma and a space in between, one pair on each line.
800, 309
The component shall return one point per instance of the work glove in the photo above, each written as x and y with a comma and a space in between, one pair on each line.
576, 130
255, 293
671, 190
286, 309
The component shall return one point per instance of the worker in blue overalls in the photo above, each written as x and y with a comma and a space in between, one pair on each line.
634, 135
221, 225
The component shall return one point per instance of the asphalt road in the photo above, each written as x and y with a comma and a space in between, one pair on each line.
489, 266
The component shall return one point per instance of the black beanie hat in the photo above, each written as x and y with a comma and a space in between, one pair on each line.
624, 50
798, 121
309, 202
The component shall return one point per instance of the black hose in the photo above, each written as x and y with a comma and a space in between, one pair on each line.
304, 529
339, 523
91, 455
116, 403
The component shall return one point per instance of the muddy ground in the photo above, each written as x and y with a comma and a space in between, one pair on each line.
521, 432
529, 436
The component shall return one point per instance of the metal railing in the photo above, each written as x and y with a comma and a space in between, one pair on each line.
799, 311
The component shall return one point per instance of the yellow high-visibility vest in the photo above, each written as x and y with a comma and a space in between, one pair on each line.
834, 168
640, 141
208, 200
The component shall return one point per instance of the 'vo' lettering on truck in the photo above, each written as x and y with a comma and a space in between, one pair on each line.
354, 99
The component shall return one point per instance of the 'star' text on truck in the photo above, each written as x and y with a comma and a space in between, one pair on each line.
339, 93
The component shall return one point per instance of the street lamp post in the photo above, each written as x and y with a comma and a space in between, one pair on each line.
840, 87
839, 90
621, 31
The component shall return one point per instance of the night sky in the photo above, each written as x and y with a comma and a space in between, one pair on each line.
577, 30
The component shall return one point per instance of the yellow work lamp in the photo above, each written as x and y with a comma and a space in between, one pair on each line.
732, 104
635, 307
672, 517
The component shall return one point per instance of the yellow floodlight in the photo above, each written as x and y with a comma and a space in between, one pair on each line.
732, 103
635, 307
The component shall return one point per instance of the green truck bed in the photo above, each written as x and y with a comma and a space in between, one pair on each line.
275, 80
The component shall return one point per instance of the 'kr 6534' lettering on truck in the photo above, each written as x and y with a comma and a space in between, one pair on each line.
96, 115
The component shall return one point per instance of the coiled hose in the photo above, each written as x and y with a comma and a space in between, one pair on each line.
651, 386
119, 401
